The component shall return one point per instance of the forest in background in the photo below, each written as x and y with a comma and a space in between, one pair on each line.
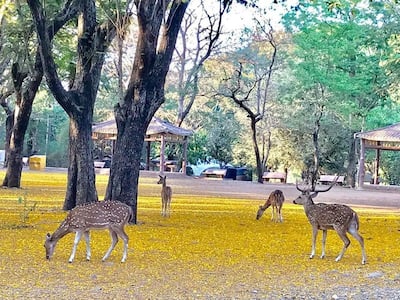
326, 70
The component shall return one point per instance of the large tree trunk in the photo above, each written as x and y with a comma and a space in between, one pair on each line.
124, 173
81, 187
93, 42
20, 121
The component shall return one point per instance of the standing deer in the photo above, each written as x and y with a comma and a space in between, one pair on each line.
111, 215
338, 217
166, 194
275, 200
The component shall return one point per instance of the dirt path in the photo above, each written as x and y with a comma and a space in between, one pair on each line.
251, 190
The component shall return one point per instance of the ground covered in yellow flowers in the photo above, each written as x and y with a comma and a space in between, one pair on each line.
210, 248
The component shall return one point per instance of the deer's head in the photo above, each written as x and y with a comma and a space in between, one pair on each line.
49, 245
307, 194
260, 212
161, 179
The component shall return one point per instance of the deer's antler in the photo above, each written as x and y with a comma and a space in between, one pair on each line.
329, 187
307, 189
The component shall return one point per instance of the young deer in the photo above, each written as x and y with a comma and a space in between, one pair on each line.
340, 218
111, 215
166, 194
275, 200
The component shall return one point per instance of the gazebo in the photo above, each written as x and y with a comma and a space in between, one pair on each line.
386, 138
158, 131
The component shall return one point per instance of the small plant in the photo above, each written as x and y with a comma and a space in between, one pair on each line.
26, 210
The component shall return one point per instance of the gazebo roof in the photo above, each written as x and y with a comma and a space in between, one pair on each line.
385, 138
156, 128
386, 134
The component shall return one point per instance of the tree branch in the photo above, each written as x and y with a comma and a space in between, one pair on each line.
45, 35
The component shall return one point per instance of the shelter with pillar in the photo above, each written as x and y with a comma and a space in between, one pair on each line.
386, 138
158, 131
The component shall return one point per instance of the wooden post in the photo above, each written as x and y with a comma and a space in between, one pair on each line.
148, 147
361, 170
184, 160
162, 154
376, 171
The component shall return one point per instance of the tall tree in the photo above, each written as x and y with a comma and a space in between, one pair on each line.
158, 26
78, 101
25, 94
337, 63
248, 88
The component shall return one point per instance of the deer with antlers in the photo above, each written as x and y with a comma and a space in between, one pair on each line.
166, 194
111, 215
338, 217
275, 200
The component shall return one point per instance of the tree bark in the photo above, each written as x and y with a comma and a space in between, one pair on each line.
259, 165
21, 113
81, 187
124, 172
9, 121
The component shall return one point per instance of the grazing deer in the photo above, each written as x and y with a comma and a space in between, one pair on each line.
275, 200
166, 194
111, 215
338, 217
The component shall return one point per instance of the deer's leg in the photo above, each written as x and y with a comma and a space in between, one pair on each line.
169, 206
314, 239
346, 242
354, 232
78, 236
125, 238
114, 240
164, 207
272, 213
280, 213
87, 238
324, 234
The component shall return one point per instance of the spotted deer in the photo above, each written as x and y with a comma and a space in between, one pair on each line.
338, 217
111, 215
166, 194
275, 200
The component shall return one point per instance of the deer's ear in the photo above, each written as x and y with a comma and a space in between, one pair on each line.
313, 195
